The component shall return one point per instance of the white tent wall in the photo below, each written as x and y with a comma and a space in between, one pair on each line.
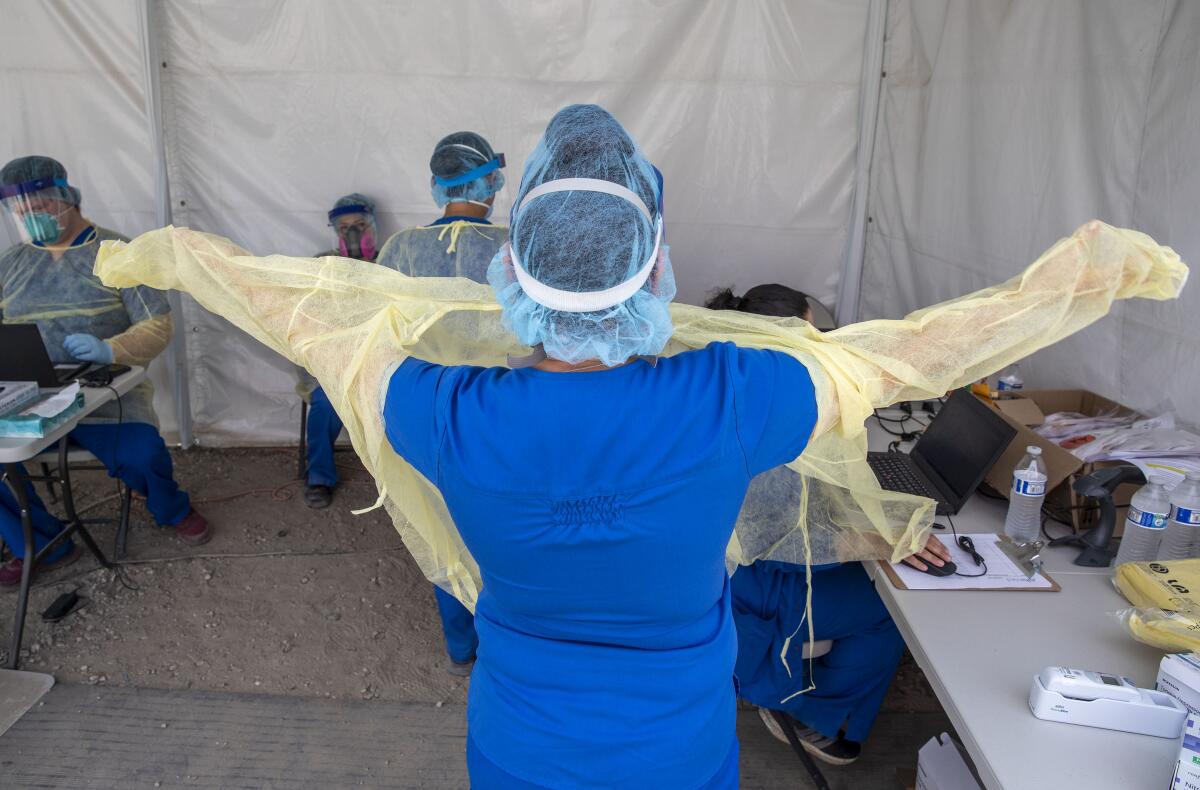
1005, 124
274, 109
72, 84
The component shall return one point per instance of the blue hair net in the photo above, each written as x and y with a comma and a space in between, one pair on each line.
465, 168
26, 169
582, 242
360, 203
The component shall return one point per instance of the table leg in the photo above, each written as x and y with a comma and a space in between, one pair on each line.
15, 475
68, 498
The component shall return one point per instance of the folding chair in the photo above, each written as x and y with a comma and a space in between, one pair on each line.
80, 460
810, 650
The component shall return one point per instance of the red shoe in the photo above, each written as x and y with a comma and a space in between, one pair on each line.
10, 572
194, 530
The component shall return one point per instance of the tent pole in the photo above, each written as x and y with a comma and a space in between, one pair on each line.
850, 285
177, 350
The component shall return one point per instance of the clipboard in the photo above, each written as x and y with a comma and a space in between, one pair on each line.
1003, 575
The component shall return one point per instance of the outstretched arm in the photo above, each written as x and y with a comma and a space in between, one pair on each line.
949, 345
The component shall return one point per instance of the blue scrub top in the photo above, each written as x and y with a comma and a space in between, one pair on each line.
599, 506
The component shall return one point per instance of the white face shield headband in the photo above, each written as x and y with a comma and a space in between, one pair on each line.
586, 301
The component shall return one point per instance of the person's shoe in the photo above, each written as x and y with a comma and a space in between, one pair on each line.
835, 751
461, 669
318, 497
10, 572
194, 530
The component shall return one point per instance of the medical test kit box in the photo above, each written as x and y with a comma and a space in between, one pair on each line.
1179, 676
15, 394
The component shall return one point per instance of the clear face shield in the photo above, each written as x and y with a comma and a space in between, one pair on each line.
355, 235
38, 209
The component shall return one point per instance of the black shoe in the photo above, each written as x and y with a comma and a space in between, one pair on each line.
461, 669
318, 497
835, 751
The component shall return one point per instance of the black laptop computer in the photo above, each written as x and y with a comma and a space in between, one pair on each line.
23, 357
952, 456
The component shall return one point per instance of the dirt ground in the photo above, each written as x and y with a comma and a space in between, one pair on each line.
283, 600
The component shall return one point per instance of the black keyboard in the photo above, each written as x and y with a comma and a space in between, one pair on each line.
896, 473
66, 375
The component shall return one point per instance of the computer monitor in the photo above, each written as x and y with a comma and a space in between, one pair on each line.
961, 445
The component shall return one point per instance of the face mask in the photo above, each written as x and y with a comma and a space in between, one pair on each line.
42, 227
357, 244
488, 206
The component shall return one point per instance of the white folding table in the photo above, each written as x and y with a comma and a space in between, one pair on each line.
14, 452
980, 651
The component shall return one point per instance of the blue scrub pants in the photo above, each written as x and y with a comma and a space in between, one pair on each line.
851, 680
136, 453
45, 526
458, 624
324, 425
486, 775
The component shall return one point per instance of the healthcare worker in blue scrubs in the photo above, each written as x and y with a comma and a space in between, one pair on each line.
572, 475
47, 280
355, 232
465, 177
832, 719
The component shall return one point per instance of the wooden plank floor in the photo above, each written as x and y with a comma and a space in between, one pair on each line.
98, 737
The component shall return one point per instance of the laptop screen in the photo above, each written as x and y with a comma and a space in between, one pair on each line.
961, 444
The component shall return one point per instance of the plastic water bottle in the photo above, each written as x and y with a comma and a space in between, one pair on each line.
1024, 520
1011, 380
1182, 538
1145, 524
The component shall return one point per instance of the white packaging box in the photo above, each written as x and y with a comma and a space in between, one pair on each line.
15, 394
1179, 676
940, 766
1187, 767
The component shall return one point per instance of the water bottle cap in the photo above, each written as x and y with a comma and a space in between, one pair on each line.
1033, 449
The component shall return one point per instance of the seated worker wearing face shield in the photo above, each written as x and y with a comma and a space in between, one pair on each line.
48, 281
466, 177
353, 220
832, 719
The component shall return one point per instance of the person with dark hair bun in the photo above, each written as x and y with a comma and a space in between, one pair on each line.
772, 299
850, 681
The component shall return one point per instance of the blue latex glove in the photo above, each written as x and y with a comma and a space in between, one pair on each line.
89, 348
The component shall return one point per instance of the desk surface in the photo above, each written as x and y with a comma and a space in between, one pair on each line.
980, 651
15, 450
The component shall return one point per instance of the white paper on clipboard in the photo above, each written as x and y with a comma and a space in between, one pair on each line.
1002, 573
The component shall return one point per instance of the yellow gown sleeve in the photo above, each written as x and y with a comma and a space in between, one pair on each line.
350, 325
142, 342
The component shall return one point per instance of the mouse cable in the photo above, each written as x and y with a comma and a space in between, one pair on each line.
978, 559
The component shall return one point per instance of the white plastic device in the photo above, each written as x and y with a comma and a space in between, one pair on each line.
1101, 699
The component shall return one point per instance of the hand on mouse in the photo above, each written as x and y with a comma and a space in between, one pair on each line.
934, 553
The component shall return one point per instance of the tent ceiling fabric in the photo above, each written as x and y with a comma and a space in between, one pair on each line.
1002, 125
273, 109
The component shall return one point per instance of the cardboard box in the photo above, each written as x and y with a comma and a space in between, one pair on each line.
1179, 676
1062, 466
941, 765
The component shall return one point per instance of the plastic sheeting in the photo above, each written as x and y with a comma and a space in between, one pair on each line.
72, 87
1002, 123
273, 109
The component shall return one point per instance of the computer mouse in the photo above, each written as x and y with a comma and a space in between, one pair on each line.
947, 569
